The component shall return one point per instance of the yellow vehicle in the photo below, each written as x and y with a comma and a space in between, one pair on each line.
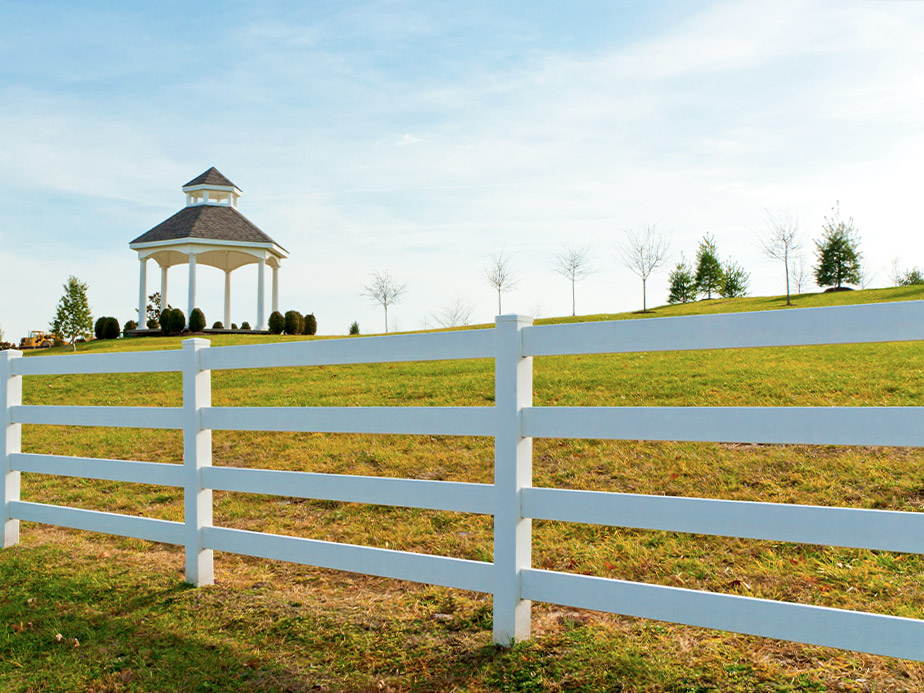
37, 340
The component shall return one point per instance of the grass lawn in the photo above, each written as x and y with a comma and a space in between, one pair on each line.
279, 627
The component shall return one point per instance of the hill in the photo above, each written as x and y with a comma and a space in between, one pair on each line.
275, 626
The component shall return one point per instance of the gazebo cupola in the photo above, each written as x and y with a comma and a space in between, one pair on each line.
209, 231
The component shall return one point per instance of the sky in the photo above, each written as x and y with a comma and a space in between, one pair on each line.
421, 138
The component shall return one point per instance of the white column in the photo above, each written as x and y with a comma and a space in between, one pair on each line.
163, 287
197, 453
261, 281
10, 444
275, 288
191, 302
142, 293
227, 322
513, 470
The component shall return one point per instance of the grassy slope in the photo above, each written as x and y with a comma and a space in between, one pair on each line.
273, 626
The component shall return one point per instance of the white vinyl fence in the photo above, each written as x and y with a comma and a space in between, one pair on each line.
513, 422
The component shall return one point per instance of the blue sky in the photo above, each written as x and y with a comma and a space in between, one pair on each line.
421, 137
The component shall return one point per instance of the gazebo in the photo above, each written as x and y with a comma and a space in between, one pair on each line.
209, 231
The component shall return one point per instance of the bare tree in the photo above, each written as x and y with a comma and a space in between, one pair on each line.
384, 290
798, 273
500, 275
574, 265
643, 252
781, 240
895, 272
456, 314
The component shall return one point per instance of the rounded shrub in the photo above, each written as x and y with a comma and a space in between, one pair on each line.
218, 326
98, 327
111, 328
233, 325
277, 323
172, 321
294, 322
196, 320
129, 326
245, 325
311, 324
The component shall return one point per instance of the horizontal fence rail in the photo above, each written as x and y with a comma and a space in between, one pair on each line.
511, 499
879, 322
897, 426
456, 421
815, 625
858, 528
408, 493
81, 364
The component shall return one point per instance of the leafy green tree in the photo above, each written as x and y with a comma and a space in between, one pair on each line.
913, 277
73, 318
734, 281
354, 327
837, 253
708, 268
682, 283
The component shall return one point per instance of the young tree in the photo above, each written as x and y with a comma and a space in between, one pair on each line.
780, 240
708, 268
682, 284
573, 264
456, 314
73, 318
798, 273
838, 257
385, 291
734, 281
153, 311
643, 252
500, 275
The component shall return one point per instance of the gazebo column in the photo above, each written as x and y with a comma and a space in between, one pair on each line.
192, 285
261, 275
163, 287
227, 322
275, 288
142, 293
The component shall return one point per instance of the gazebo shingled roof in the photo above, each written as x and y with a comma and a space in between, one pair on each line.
211, 177
211, 222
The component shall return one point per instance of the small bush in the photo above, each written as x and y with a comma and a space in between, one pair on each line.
111, 328
277, 323
311, 324
172, 321
233, 325
153, 324
354, 328
246, 325
129, 326
294, 322
913, 277
6, 345
98, 327
218, 326
196, 320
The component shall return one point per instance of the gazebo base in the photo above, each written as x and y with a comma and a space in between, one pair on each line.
158, 333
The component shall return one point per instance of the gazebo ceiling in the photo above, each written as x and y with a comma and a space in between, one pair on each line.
223, 257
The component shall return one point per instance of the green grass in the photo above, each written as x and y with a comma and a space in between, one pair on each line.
275, 626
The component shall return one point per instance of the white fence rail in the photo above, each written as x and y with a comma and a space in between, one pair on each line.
511, 499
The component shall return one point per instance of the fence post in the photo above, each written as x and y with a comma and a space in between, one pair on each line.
513, 470
197, 453
10, 443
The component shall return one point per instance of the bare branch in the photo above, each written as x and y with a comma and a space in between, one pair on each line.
384, 290
780, 241
644, 251
500, 275
456, 314
573, 264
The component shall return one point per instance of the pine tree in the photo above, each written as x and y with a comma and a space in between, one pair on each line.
73, 318
734, 281
708, 267
682, 283
838, 257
